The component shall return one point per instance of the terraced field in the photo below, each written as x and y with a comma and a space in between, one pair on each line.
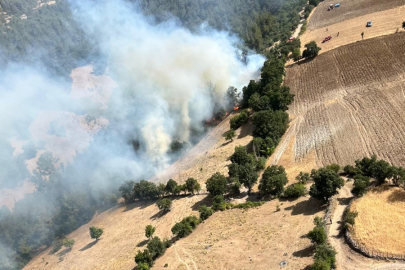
350, 102
348, 9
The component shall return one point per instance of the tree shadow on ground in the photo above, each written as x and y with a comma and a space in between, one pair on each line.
397, 196
64, 252
206, 201
344, 201
308, 207
245, 130
306, 252
142, 243
89, 245
139, 204
159, 214
226, 143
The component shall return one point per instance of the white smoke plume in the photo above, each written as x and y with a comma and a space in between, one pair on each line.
160, 77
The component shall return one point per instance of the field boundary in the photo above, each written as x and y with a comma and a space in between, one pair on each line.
365, 250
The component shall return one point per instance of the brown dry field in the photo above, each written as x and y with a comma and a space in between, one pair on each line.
229, 239
124, 225
348, 10
350, 30
380, 224
350, 103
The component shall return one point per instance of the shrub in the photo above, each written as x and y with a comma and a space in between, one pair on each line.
149, 231
205, 212
185, 227
219, 204
320, 265
296, 54
295, 191
143, 266
303, 178
68, 243
95, 233
156, 247
248, 205
164, 204
334, 167
239, 120
317, 235
326, 253
217, 184
144, 257
349, 218
229, 135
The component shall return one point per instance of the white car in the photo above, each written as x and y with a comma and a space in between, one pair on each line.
369, 24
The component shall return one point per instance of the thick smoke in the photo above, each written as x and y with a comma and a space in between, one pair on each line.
165, 81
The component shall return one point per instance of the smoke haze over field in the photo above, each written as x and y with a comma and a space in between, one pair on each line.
160, 91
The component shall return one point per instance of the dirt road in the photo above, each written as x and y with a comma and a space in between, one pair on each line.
347, 258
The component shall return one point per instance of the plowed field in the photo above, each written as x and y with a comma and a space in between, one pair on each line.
348, 9
350, 102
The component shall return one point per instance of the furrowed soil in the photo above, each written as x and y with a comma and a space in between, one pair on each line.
349, 103
380, 224
348, 10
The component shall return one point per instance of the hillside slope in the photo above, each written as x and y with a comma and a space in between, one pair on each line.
350, 102
124, 225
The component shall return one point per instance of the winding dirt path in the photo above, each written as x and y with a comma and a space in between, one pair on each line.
347, 258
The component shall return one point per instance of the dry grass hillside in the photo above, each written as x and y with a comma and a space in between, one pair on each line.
124, 225
348, 10
380, 224
254, 239
350, 102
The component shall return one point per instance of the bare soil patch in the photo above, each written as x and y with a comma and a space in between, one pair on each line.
380, 224
350, 103
348, 9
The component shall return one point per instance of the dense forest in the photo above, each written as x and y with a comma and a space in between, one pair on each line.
49, 36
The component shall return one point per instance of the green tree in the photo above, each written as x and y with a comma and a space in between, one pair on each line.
144, 257
311, 50
95, 233
149, 231
325, 252
270, 124
320, 265
145, 190
381, 170
161, 190
219, 204
229, 135
127, 191
360, 184
185, 227
241, 156
171, 186
191, 184
398, 176
248, 176
326, 183
164, 204
239, 120
273, 181
46, 164
205, 212
364, 165
217, 184
334, 167
349, 218
317, 235
156, 247
143, 266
